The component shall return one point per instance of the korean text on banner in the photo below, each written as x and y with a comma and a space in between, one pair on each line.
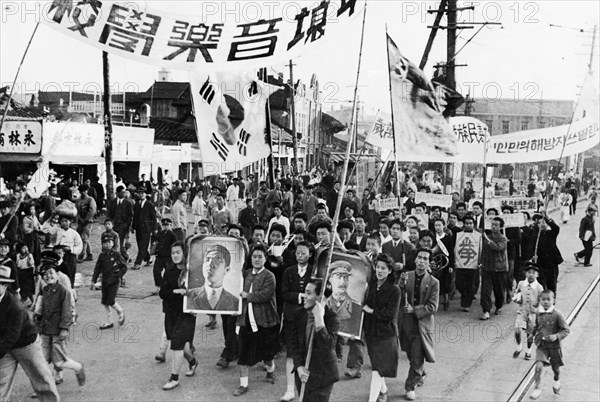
510, 221
421, 132
467, 249
388, 203
208, 38
230, 120
547, 143
440, 200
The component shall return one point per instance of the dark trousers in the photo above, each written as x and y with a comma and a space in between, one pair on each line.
355, 351
586, 253
464, 284
143, 242
71, 262
314, 394
416, 357
492, 282
123, 232
548, 277
230, 351
476, 281
159, 264
510, 277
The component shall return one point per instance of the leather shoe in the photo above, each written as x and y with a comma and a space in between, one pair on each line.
240, 391
160, 357
223, 363
353, 373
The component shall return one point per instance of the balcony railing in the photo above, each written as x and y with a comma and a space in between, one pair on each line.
95, 107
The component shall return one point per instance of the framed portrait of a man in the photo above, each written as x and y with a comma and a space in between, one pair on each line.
348, 277
215, 278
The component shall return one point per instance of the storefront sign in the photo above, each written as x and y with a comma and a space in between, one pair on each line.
23, 137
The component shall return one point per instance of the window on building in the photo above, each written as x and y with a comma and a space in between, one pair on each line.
505, 126
541, 123
524, 125
489, 124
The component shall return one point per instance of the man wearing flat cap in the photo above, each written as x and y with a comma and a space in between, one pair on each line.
212, 295
120, 210
348, 311
587, 235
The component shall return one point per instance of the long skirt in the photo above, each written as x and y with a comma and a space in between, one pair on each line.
383, 353
258, 346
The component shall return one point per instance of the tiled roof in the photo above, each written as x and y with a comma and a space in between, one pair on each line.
165, 90
171, 130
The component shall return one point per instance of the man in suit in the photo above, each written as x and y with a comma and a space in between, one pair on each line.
478, 216
120, 211
402, 252
144, 224
587, 225
320, 320
360, 236
332, 197
212, 296
418, 303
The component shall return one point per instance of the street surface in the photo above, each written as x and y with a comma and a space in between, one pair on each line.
474, 358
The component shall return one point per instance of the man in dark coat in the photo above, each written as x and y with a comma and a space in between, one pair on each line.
316, 319
9, 223
18, 346
587, 234
548, 256
144, 224
120, 211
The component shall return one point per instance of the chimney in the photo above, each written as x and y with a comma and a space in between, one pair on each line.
164, 75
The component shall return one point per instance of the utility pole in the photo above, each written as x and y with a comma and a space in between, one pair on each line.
451, 47
293, 113
110, 191
581, 159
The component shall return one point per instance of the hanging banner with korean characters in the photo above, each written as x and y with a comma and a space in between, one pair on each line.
209, 36
440, 200
467, 249
230, 120
547, 143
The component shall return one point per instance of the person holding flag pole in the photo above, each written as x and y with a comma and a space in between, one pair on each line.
305, 374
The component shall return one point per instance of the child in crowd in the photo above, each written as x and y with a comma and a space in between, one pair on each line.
108, 225
25, 264
527, 297
55, 258
54, 317
112, 267
550, 328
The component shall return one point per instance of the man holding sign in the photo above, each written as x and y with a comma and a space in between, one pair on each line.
467, 252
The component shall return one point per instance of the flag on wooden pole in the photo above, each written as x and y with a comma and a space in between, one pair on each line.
420, 130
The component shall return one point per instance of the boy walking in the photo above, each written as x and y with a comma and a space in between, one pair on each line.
527, 296
550, 329
164, 239
112, 267
54, 316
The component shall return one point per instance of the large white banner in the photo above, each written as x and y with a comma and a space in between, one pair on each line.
470, 135
431, 199
230, 120
217, 36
